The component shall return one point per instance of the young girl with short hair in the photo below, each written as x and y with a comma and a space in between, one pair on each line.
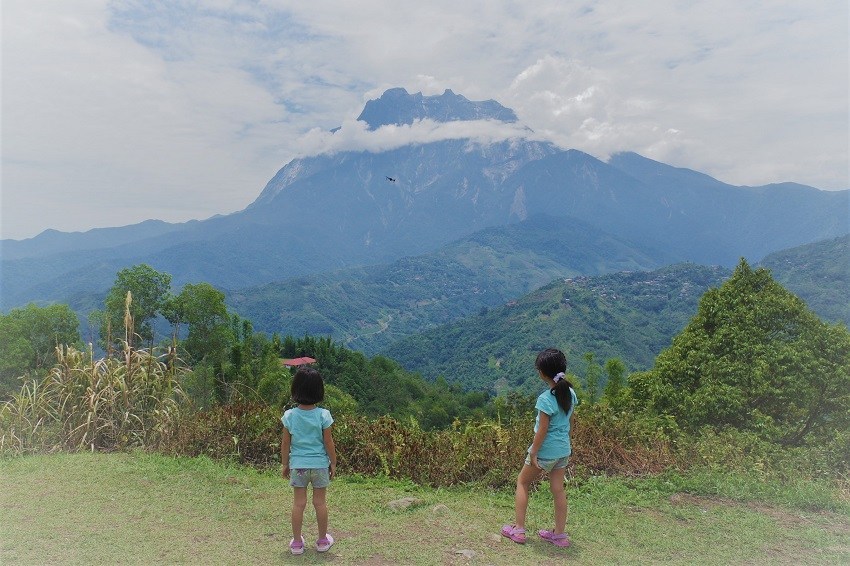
550, 449
308, 455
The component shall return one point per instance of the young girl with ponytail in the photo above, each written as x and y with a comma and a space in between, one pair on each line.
550, 449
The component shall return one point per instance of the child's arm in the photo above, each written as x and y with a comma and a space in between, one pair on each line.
539, 437
285, 443
330, 448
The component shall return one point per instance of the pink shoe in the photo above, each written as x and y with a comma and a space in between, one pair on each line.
513, 533
323, 544
296, 546
561, 540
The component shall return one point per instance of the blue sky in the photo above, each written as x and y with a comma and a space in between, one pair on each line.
114, 112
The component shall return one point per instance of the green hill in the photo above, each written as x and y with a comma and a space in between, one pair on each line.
368, 308
629, 315
818, 273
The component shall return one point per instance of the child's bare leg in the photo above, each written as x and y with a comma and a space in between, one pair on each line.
559, 494
299, 503
321, 505
523, 484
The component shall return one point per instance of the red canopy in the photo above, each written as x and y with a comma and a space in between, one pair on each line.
295, 362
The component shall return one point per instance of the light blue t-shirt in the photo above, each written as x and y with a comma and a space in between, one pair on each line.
306, 426
557, 442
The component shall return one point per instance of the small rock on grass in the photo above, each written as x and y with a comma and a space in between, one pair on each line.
403, 503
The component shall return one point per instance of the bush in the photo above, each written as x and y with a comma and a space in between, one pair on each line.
487, 452
609, 442
247, 432
484, 453
732, 450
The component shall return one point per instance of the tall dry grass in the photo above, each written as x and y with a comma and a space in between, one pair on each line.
127, 399
84, 403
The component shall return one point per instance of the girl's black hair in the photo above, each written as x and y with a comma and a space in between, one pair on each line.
307, 386
551, 362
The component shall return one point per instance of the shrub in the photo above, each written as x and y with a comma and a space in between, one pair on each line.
609, 442
487, 452
484, 453
246, 431
732, 450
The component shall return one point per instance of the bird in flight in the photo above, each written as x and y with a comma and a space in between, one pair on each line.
390, 179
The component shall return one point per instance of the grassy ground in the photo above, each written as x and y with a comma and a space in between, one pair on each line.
149, 509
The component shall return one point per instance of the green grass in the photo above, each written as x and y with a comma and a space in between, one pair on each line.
144, 508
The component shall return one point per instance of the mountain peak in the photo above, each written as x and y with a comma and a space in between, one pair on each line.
397, 106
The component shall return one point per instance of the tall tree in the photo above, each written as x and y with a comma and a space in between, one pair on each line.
150, 291
202, 309
753, 357
45, 328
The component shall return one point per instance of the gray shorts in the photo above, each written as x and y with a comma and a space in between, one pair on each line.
301, 477
549, 465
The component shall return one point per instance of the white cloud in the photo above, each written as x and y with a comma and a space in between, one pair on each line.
118, 111
354, 135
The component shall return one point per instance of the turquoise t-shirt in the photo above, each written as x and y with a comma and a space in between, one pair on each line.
306, 426
557, 442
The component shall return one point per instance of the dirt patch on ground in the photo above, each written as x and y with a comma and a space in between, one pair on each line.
792, 520
831, 522
698, 501
379, 560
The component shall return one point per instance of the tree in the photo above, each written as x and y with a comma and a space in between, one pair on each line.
201, 307
16, 352
29, 336
753, 357
591, 378
150, 291
615, 369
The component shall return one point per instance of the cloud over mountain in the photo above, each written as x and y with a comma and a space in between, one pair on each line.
186, 109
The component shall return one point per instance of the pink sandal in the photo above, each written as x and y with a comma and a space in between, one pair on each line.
562, 540
513, 533
296, 546
323, 544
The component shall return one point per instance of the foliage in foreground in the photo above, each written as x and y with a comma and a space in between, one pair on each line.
487, 453
754, 358
773, 373
29, 337
83, 403
605, 442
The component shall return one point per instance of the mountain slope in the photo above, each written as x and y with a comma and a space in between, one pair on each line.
632, 316
753, 220
818, 273
369, 307
340, 210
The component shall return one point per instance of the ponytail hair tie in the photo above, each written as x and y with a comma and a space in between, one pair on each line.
558, 377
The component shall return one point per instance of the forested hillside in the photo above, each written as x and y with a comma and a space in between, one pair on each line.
370, 307
627, 315
818, 273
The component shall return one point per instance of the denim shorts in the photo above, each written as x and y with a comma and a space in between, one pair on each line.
549, 465
301, 477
